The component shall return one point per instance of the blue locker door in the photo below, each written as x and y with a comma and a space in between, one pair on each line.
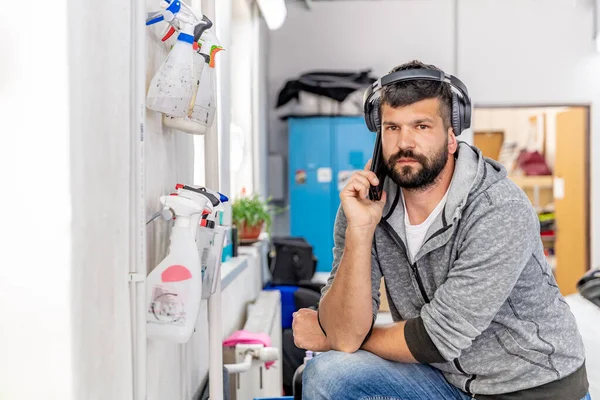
311, 184
353, 147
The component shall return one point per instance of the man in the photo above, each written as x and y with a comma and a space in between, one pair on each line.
476, 307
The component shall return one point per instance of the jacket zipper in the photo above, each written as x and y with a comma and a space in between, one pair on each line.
415, 271
469, 380
438, 233
414, 267
420, 282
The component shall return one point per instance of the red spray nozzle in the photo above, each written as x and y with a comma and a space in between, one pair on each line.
169, 34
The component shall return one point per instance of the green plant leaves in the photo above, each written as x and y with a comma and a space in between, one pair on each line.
252, 211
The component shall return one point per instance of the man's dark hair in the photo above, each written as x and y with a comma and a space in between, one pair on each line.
402, 94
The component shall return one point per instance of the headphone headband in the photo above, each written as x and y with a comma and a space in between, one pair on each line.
420, 75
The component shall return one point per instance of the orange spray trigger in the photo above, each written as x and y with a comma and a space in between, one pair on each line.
213, 52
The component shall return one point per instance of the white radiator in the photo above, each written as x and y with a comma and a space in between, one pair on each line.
264, 316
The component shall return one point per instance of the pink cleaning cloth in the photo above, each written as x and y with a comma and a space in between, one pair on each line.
245, 337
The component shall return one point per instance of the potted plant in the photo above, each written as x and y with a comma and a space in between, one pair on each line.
251, 214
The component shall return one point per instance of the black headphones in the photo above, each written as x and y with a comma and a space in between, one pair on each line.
461, 103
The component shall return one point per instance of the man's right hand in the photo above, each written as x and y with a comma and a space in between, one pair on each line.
360, 211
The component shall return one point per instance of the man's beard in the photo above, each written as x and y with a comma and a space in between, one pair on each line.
407, 178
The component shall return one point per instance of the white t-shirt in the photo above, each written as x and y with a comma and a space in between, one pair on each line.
415, 234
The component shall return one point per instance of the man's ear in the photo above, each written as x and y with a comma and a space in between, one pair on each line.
452, 141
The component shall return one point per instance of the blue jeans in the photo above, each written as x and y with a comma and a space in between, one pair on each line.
364, 376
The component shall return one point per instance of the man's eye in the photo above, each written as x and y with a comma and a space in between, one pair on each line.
422, 127
392, 127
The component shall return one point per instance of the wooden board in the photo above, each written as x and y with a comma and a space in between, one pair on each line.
572, 237
490, 143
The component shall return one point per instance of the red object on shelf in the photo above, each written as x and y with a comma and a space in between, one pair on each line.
533, 163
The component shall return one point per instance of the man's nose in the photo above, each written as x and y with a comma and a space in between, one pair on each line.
405, 139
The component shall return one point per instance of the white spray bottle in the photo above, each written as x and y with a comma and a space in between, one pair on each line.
174, 287
213, 271
206, 107
211, 235
206, 230
175, 84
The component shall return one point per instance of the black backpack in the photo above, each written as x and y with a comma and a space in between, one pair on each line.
291, 261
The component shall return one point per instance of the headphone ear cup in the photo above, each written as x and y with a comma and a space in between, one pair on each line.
465, 114
375, 118
456, 115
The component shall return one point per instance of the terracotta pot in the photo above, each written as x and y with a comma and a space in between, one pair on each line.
251, 232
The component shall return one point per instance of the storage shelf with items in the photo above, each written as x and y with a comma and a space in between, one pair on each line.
539, 190
545, 151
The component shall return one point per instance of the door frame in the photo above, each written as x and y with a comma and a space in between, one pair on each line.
587, 161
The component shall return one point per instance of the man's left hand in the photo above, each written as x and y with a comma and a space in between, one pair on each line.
307, 332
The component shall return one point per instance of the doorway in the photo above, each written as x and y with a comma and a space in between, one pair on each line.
546, 153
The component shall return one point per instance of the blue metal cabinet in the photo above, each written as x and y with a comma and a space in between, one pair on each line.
323, 153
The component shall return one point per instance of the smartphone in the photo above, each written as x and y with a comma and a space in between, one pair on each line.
377, 166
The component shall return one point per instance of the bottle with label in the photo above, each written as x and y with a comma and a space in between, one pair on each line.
174, 287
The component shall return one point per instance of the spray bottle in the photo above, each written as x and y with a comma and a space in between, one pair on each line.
173, 288
176, 83
210, 236
205, 233
213, 272
204, 106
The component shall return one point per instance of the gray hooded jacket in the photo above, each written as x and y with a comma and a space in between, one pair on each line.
480, 300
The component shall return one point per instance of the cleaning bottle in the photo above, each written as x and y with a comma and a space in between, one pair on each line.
204, 104
205, 234
175, 83
213, 270
205, 107
174, 287
210, 235
297, 380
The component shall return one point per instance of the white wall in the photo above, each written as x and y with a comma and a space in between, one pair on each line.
512, 52
241, 135
173, 371
102, 166
260, 103
99, 54
35, 272
354, 35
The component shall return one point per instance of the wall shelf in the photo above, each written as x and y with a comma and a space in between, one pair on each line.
530, 182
